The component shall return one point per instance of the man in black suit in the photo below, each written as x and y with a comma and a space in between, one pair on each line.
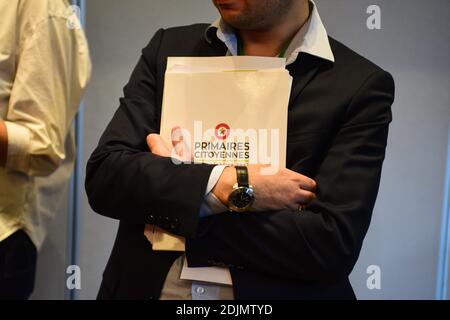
339, 114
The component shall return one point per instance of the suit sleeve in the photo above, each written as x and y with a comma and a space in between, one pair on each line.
125, 181
324, 241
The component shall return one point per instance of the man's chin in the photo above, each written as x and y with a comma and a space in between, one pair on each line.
241, 24
238, 21
232, 21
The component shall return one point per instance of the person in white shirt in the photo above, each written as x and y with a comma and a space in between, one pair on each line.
44, 69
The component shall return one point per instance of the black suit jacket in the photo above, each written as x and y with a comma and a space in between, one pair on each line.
339, 116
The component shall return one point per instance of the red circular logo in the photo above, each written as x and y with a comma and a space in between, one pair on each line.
222, 131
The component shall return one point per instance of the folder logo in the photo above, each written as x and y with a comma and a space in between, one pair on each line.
222, 131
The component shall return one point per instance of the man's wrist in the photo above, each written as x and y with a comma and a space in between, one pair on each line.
3, 143
224, 186
214, 177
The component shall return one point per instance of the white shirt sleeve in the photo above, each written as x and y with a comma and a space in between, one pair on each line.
211, 204
52, 73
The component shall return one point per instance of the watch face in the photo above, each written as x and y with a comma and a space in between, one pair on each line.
241, 199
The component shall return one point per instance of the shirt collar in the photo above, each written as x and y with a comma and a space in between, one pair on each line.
312, 38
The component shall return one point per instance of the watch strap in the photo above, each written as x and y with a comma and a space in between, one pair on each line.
242, 176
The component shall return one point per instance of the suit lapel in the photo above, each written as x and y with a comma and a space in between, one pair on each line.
214, 49
303, 70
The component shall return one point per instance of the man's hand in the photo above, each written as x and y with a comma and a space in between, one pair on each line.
286, 189
157, 145
180, 151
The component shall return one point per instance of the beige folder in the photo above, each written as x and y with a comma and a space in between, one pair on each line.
231, 110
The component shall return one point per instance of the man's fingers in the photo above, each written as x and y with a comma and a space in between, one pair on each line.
180, 145
308, 184
305, 197
303, 181
157, 145
293, 206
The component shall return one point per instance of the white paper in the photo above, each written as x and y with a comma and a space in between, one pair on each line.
208, 274
226, 63
162, 240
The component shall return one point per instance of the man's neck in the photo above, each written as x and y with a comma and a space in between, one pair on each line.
272, 41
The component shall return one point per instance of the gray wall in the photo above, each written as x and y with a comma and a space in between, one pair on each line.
413, 45
52, 260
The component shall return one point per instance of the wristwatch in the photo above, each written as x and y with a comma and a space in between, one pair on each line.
243, 195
